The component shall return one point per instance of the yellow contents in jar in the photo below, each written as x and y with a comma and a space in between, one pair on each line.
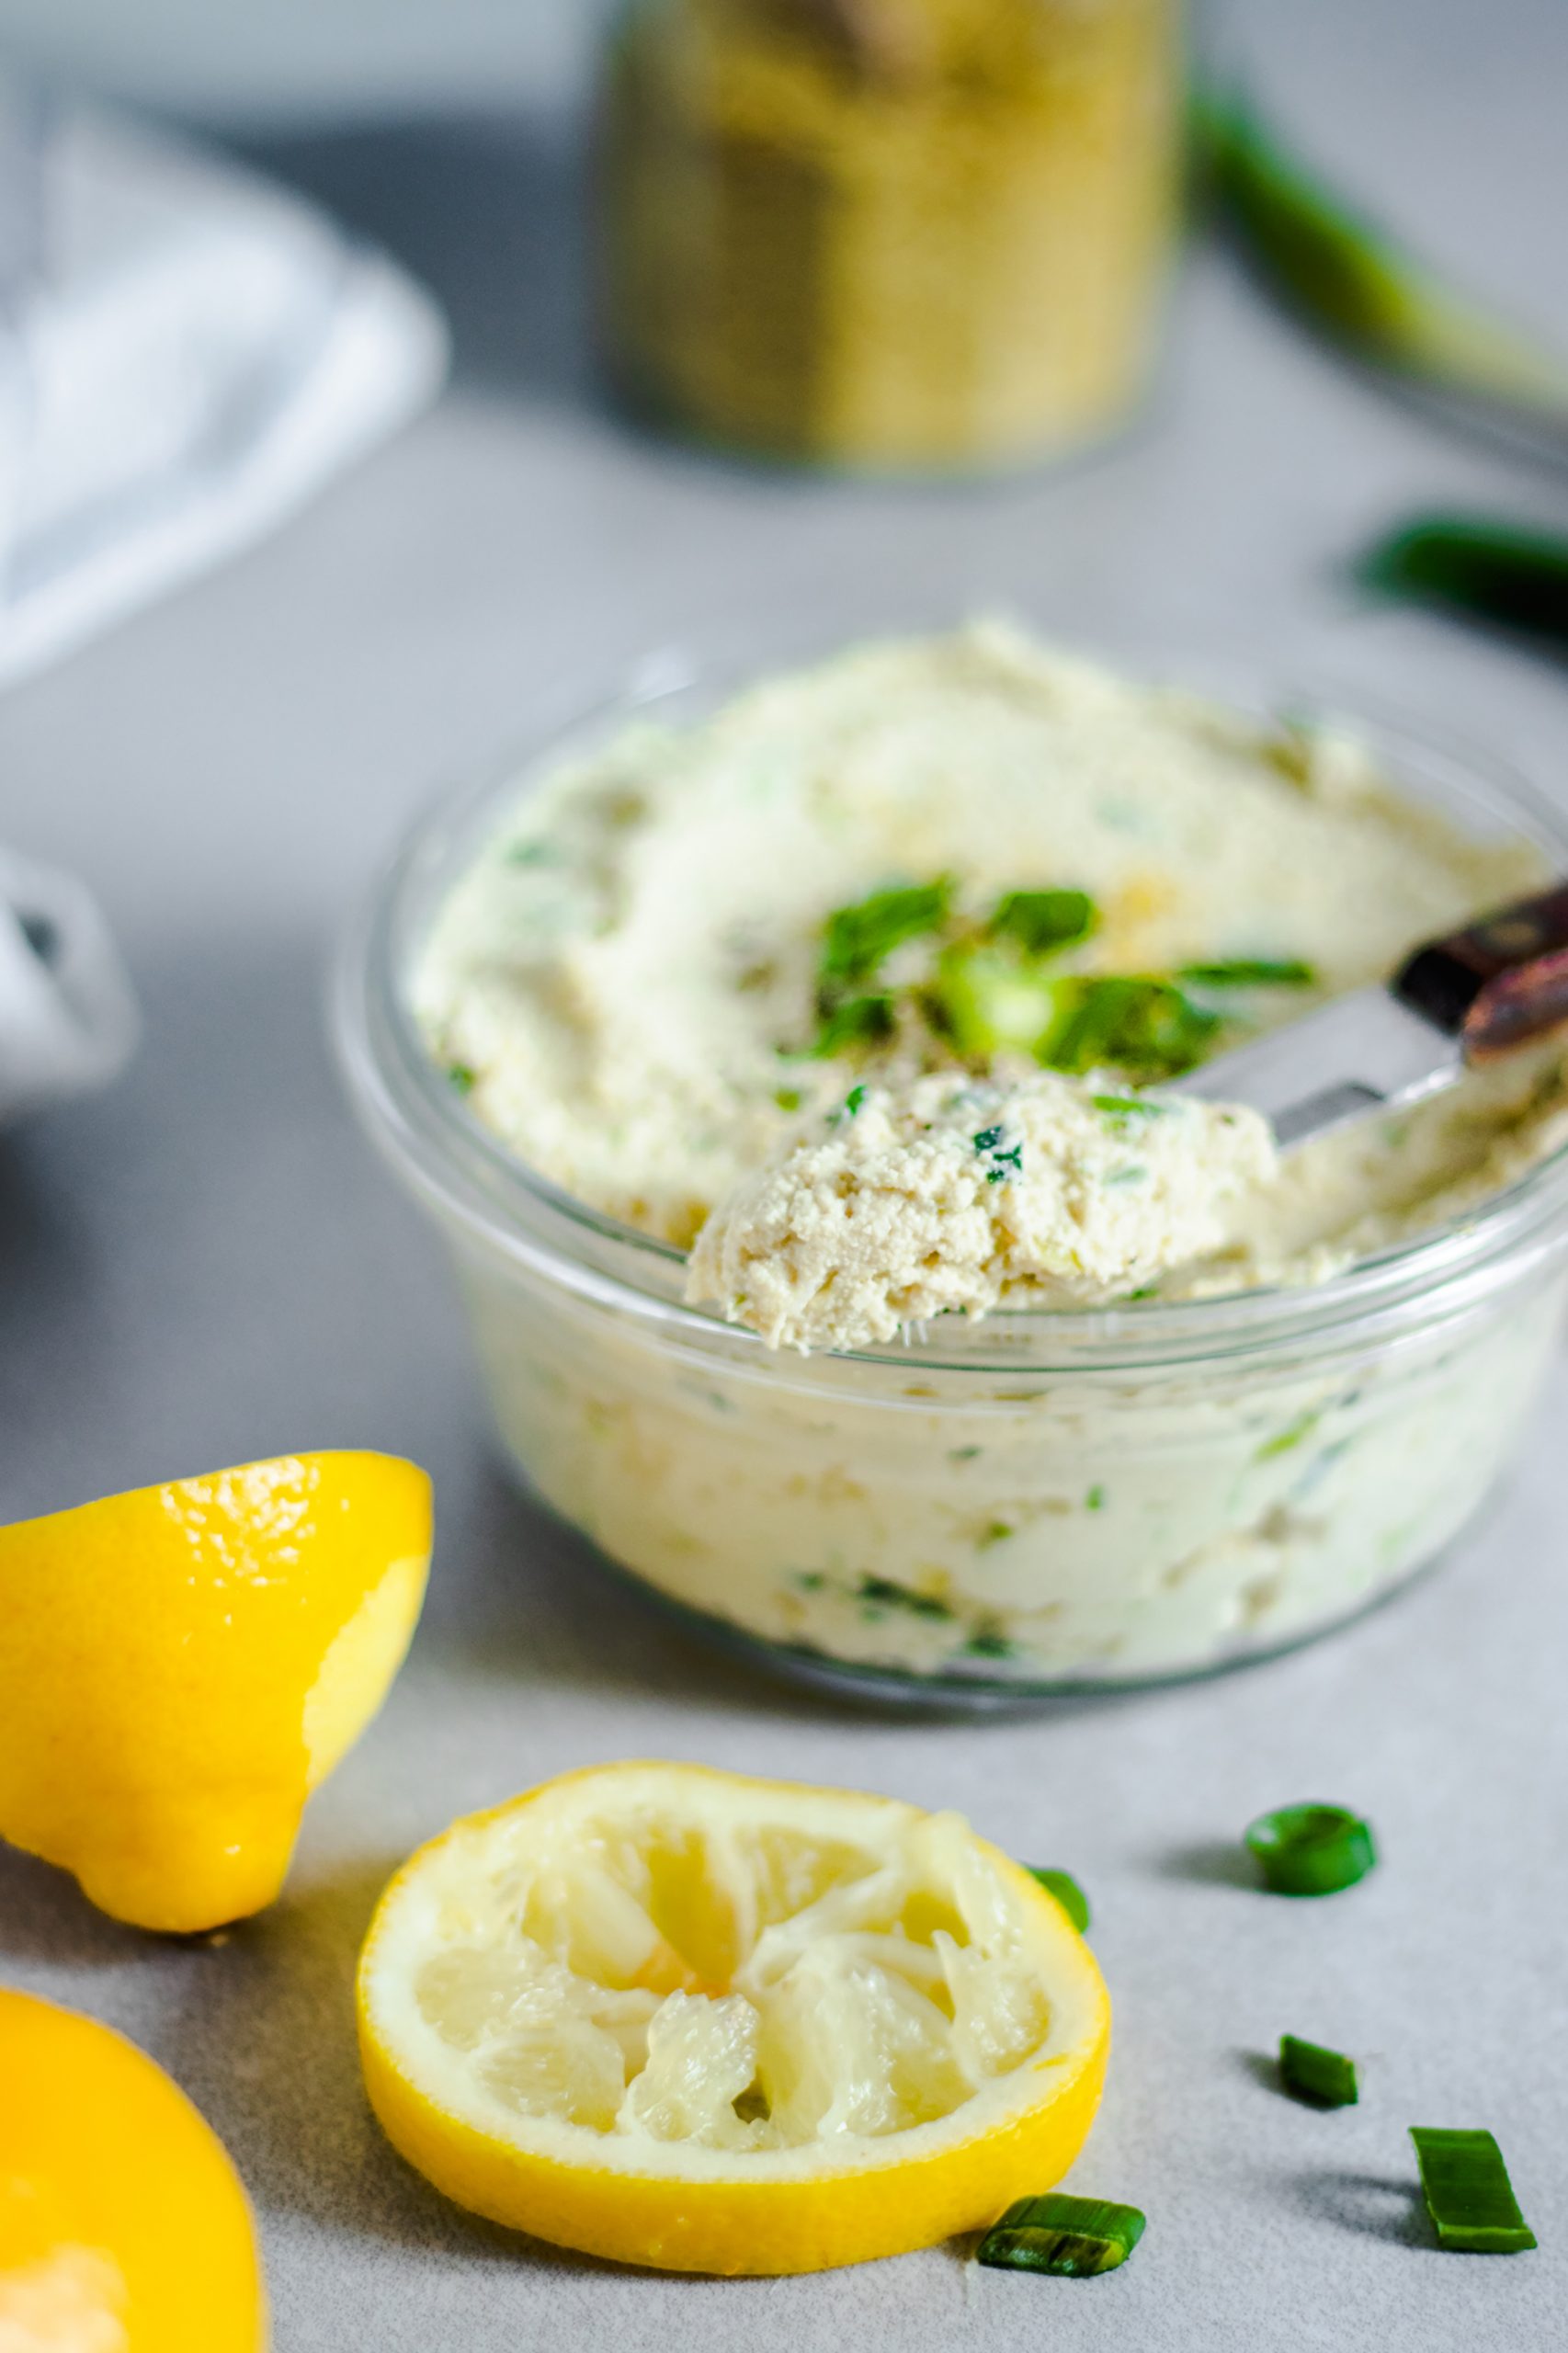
899, 233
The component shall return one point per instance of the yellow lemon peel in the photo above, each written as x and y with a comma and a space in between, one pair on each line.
181, 1665
123, 2225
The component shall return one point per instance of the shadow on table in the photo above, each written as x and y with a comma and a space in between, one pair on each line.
1211, 1863
1370, 2205
491, 212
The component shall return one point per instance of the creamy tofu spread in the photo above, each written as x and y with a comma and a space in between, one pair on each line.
950, 1193
629, 987
863, 991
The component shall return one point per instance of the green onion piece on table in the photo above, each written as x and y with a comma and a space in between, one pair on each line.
1311, 1849
1347, 278
1250, 973
1068, 1893
1468, 2193
1322, 2078
1069, 2238
1489, 570
1042, 920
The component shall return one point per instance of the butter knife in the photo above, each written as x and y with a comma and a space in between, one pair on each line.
1455, 1005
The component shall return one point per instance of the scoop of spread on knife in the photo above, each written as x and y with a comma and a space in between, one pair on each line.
946, 1194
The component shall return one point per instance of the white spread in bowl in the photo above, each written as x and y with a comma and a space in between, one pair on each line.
651, 990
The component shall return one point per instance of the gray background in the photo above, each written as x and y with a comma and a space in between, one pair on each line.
206, 1265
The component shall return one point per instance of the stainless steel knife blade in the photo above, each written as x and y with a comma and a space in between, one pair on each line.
1362, 1052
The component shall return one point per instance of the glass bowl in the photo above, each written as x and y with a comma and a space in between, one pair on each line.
1039, 1503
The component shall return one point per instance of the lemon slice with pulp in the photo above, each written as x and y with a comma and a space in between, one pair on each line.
686, 2018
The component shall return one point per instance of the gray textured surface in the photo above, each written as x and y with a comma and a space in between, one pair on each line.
206, 1265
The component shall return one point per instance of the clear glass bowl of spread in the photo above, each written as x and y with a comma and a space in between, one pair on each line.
1041, 1502
895, 234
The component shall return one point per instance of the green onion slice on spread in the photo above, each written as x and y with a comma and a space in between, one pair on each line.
1468, 2193
1322, 2078
856, 941
859, 1021
1311, 1849
1069, 2238
1146, 1027
1042, 920
1068, 1893
990, 1002
1250, 973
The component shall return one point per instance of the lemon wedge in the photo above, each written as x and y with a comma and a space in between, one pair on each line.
123, 2226
181, 1665
685, 2018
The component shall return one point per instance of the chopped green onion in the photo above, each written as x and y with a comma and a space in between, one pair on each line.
859, 1021
1286, 1440
1129, 1107
857, 939
459, 1075
1468, 2193
1324, 2078
1250, 973
1146, 1027
1004, 1163
854, 1099
1068, 1893
1068, 2238
1311, 1849
1042, 920
884, 1590
1095, 1499
1352, 281
989, 1001
1518, 579
788, 1098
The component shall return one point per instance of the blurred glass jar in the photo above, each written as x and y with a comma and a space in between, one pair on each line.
907, 235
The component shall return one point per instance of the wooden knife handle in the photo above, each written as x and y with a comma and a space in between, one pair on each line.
1498, 984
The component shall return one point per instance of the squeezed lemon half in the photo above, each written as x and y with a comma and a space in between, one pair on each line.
686, 2018
180, 1666
123, 2226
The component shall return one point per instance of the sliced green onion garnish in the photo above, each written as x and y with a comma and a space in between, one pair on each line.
1309, 2071
1357, 285
1068, 1893
1518, 579
1250, 973
1311, 1849
459, 1075
859, 1021
1069, 2238
1129, 1107
1468, 2193
1042, 920
1146, 1027
857, 939
990, 1002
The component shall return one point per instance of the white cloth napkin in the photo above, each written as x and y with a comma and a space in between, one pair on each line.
186, 354
68, 1020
